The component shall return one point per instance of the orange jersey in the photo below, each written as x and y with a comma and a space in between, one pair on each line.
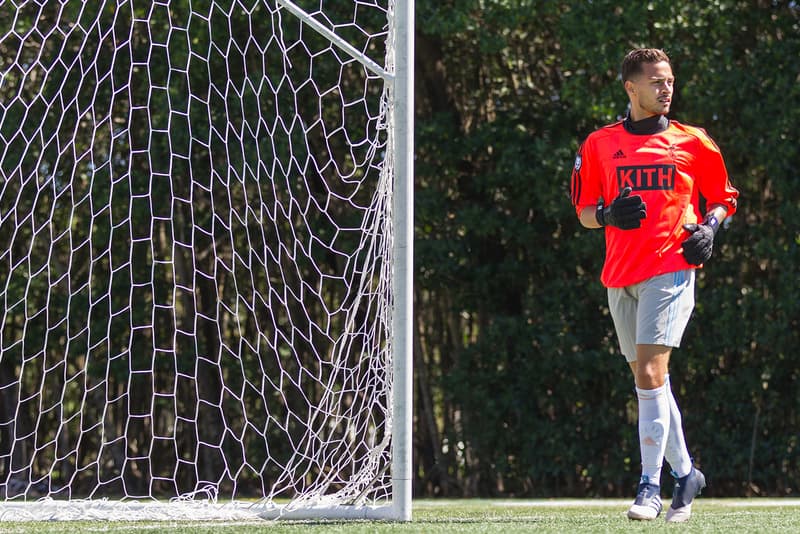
670, 170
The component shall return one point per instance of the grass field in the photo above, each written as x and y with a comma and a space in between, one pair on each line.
487, 516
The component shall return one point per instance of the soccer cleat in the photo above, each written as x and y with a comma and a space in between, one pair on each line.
647, 505
686, 489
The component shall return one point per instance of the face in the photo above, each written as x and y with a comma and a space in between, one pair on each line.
651, 91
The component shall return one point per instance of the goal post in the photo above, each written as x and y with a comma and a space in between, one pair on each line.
206, 244
403, 106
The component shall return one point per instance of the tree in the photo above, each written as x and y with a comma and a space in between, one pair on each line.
521, 390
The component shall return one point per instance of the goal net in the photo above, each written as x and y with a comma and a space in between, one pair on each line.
198, 260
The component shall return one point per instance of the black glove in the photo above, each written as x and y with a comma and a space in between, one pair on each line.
625, 212
697, 248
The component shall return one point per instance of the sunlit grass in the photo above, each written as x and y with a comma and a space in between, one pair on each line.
485, 516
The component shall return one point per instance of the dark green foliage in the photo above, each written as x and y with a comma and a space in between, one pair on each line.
520, 390
520, 386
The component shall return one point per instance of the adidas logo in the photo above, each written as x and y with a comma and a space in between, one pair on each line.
619, 154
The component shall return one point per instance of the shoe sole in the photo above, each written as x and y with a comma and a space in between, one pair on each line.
642, 513
684, 513
680, 515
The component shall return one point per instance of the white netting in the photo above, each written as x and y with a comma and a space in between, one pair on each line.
194, 252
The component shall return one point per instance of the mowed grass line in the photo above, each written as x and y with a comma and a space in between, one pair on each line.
483, 516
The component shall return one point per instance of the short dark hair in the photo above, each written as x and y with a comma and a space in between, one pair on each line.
632, 64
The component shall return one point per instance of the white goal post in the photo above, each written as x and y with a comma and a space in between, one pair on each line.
206, 243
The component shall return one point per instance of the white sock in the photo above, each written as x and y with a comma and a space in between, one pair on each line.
676, 452
654, 420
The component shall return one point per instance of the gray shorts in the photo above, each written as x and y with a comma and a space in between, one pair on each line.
653, 312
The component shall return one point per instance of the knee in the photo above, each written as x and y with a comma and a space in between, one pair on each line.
652, 366
649, 377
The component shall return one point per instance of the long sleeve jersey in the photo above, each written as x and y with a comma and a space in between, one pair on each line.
671, 170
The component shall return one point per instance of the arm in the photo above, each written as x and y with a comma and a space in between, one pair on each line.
625, 212
714, 185
712, 180
588, 217
719, 212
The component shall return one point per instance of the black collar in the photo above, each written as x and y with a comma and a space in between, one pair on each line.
649, 126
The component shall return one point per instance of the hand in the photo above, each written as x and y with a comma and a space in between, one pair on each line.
697, 247
625, 212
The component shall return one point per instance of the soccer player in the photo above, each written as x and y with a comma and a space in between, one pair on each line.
641, 180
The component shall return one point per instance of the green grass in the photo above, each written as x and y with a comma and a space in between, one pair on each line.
485, 516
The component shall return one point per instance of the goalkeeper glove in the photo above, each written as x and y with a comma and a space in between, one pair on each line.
697, 248
625, 212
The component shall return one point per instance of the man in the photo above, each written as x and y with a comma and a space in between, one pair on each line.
641, 180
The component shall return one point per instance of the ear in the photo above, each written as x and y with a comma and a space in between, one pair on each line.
630, 88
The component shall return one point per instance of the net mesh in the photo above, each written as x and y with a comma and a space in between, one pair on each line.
195, 252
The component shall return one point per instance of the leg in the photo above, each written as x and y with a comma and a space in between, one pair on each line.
676, 453
666, 303
654, 418
670, 300
624, 306
649, 319
654, 414
689, 481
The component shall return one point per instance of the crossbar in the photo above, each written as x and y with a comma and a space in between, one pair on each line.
335, 39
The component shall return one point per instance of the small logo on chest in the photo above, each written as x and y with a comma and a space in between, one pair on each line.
673, 149
646, 177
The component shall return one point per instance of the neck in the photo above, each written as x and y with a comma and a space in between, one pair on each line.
646, 126
638, 114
